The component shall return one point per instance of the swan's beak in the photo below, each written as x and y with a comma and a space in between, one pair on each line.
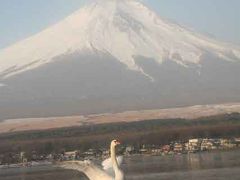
118, 142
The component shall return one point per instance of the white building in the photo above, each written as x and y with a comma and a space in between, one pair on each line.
194, 145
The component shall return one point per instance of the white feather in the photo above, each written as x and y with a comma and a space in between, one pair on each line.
94, 172
88, 168
108, 167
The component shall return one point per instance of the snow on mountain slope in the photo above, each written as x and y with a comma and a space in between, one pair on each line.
123, 29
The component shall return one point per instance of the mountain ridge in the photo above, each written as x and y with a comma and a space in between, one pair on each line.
111, 26
114, 56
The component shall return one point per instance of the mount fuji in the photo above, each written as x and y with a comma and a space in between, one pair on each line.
113, 56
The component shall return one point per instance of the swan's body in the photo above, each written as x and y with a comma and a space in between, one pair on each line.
94, 172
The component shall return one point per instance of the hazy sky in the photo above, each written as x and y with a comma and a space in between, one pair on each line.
218, 18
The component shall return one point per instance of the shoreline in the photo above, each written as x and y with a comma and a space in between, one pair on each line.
190, 112
46, 163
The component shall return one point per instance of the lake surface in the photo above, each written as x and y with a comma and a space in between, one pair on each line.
202, 166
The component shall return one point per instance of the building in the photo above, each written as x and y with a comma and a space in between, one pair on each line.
206, 144
23, 158
71, 155
129, 150
228, 143
194, 145
105, 153
156, 151
237, 141
144, 150
91, 154
178, 148
166, 148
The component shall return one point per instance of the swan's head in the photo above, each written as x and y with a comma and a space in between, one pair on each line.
114, 143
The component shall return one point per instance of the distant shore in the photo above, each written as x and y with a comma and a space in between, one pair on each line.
46, 163
192, 112
152, 137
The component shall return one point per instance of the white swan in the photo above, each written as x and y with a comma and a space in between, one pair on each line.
93, 172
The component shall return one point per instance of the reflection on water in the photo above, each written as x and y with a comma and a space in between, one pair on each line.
40, 173
207, 166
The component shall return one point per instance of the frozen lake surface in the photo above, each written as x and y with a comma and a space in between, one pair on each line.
207, 166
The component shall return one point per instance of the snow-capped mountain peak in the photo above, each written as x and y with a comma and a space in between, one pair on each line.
122, 28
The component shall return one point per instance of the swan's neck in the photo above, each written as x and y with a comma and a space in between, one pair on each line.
114, 160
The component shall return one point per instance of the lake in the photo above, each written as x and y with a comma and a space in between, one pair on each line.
200, 166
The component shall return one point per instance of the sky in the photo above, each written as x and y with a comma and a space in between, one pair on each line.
219, 19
